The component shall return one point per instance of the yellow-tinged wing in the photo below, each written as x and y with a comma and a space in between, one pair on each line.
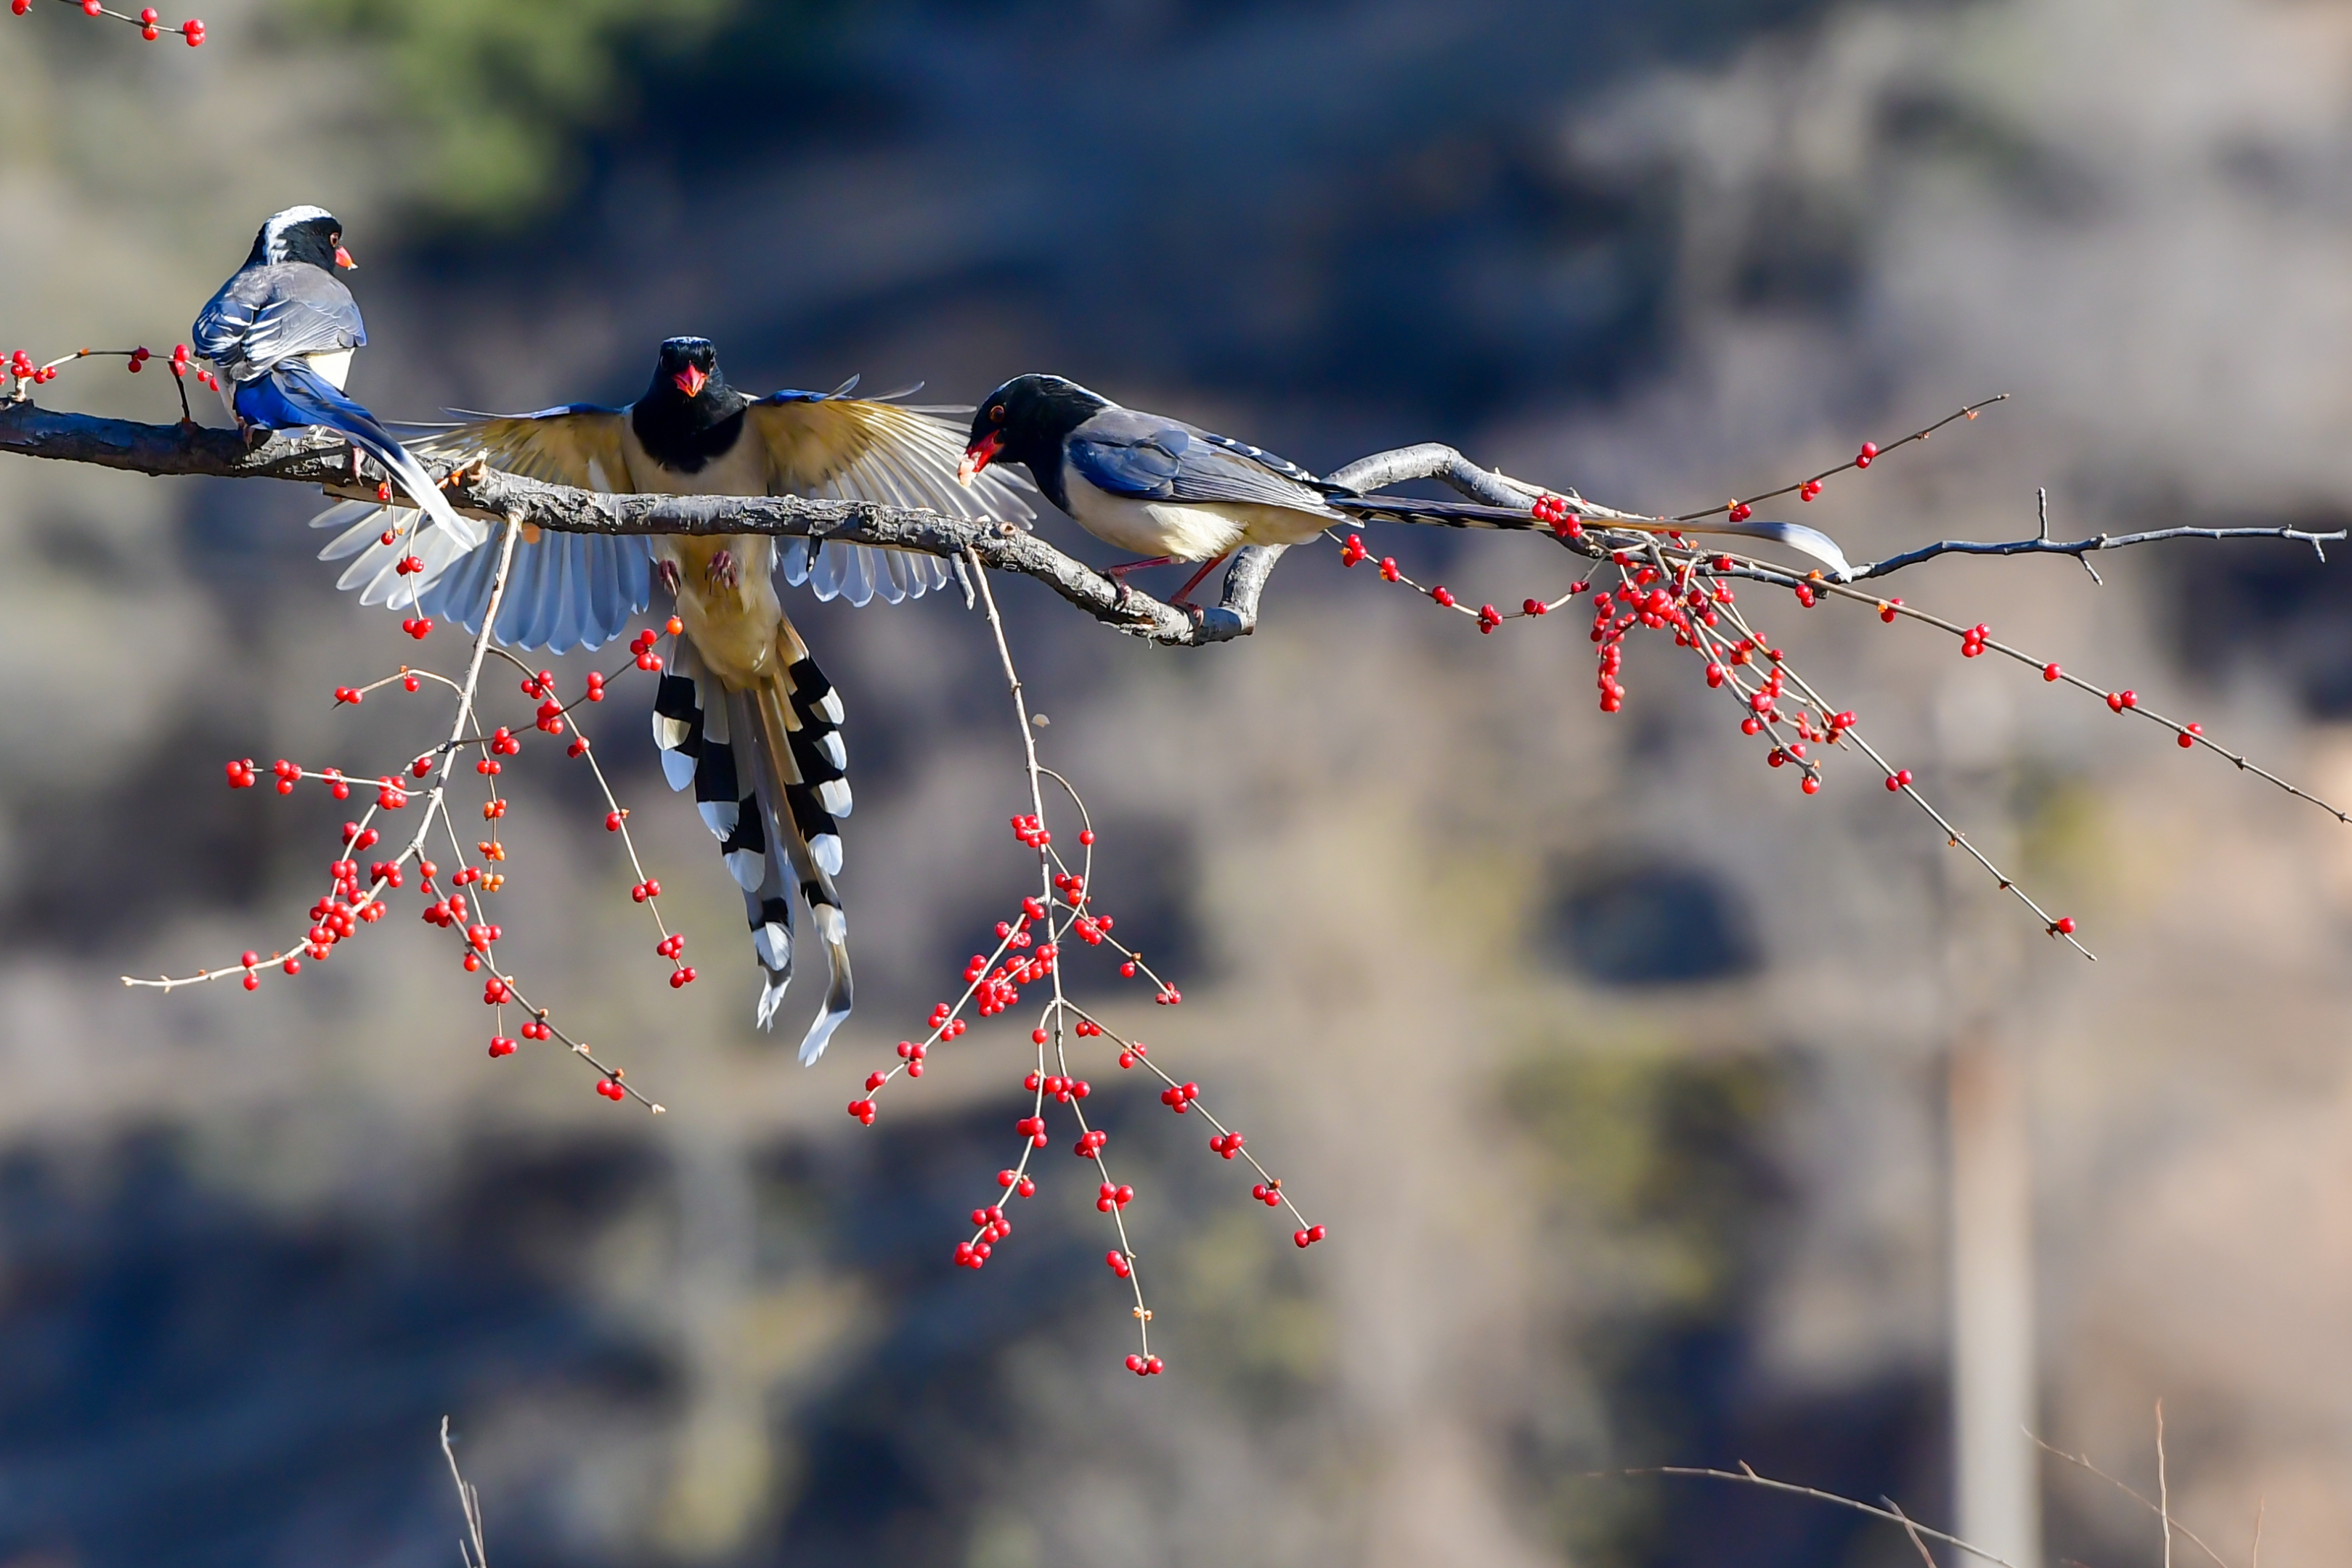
566, 590
831, 448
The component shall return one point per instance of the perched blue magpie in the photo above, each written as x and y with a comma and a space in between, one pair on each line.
282, 332
744, 717
1175, 492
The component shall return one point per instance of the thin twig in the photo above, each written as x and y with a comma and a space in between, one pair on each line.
1746, 1475
1912, 1530
468, 1499
2079, 548
2149, 1503
2163, 1486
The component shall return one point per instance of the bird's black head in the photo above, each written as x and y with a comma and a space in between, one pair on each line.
689, 414
687, 367
1024, 421
301, 234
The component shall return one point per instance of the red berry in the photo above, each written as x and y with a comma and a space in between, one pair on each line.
2188, 736
2051, 672
2063, 925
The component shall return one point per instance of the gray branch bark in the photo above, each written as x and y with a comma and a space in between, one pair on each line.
184, 448
30, 431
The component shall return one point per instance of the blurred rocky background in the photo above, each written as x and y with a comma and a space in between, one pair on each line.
1617, 1068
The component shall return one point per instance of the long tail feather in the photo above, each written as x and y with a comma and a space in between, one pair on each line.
766, 769
1474, 515
317, 400
801, 715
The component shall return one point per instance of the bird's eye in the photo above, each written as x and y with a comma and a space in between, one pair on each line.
996, 414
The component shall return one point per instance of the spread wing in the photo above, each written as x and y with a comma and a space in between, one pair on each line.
1144, 458
267, 314
567, 590
829, 446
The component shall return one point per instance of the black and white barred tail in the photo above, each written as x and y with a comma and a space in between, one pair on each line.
766, 765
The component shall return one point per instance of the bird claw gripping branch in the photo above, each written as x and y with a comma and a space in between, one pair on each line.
460, 902
1031, 948
148, 22
1647, 577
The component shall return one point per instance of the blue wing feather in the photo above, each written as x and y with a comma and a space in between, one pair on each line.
1143, 467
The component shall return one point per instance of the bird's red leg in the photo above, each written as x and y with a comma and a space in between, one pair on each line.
720, 573
1183, 595
1117, 574
668, 570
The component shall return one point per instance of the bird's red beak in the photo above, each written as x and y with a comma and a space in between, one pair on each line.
344, 258
692, 381
979, 455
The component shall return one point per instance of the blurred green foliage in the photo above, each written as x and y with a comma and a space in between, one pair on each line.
496, 95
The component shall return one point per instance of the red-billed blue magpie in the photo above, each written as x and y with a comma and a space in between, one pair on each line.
744, 717
1175, 492
282, 332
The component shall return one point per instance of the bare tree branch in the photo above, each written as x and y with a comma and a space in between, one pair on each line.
189, 449
1746, 1476
2079, 548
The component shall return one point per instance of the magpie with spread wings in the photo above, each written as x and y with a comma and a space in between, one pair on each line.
1175, 492
745, 718
283, 330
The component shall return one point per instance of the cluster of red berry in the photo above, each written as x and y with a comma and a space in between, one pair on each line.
20, 367
1028, 951
148, 22
353, 901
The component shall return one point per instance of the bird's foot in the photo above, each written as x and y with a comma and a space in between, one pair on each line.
1118, 575
721, 573
667, 570
1183, 600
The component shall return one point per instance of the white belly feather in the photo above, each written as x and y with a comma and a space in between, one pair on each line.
335, 368
1194, 532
